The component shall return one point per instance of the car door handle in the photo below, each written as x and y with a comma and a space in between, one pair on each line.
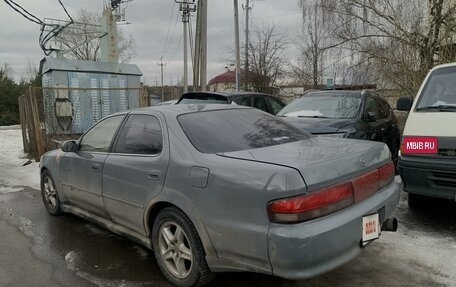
95, 167
154, 174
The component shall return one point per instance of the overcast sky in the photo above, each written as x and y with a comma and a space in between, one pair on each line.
150, 22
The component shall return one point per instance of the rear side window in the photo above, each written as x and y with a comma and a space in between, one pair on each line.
203, 98
238, 129
141, 134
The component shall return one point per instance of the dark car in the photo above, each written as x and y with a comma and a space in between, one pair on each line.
345, 114
264, 102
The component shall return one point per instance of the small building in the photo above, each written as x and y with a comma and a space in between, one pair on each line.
76, 94
226, 82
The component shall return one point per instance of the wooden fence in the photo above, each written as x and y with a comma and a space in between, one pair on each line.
32, 133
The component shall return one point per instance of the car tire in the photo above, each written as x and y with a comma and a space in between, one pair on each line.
49, 194
178, 249
415, 201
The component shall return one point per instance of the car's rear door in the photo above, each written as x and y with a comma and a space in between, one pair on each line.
81, 171
135, 170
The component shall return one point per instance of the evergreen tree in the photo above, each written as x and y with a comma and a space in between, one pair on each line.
9, 93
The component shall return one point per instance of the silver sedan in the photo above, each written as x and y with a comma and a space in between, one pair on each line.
218, 188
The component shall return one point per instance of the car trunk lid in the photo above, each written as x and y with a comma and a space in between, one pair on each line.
321, 161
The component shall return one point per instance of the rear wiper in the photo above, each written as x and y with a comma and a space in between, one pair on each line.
445, 108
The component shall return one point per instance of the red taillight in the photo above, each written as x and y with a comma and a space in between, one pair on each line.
316, 204
330, 199
386, 174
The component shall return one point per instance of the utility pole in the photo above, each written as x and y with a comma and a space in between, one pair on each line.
200, 59
197, 52
203, 56
161, 64
186, 7
236, 44
246, 66
108, 41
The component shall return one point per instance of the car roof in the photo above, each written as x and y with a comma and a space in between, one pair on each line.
176, 110
228, 95
350, 93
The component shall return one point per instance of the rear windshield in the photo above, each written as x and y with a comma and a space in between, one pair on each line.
237, 129
440, 90
203, 99
334, 106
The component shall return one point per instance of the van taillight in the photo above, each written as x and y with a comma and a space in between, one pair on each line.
330, 199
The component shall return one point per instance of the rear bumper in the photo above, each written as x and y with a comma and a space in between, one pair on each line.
429, 176
305, 250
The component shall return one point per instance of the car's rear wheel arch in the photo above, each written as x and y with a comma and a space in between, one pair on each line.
155, 209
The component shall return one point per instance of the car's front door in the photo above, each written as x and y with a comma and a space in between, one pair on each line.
260, 103
375, 119
135, 170
81, 171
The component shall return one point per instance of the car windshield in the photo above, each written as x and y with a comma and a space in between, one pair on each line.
439, 93
203, 98
318, 105
237, 129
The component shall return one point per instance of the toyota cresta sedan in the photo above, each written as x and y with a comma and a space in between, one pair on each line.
220, 188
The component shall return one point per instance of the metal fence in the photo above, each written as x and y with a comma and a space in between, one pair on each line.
52, 115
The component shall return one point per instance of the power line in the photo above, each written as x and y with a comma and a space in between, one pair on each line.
19, 9
169, 27
172, 34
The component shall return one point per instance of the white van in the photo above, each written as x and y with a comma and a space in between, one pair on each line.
428, 162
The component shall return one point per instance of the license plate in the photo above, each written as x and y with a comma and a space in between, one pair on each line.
371, 228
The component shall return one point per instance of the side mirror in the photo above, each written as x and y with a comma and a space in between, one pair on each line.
371, 117
69, 146
404, 103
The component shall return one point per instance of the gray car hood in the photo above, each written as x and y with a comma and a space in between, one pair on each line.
321, 161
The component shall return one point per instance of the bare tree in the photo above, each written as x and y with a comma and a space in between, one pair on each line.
313, 43
266, 57
400, 40
82, 39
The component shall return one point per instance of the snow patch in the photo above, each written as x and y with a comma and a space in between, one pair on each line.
7, 189
71, 258
12, 173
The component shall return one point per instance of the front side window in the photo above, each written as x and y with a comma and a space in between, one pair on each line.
238, 129
439, 92
276, 105
372, 107
243, 101
141, 134
99, 138
319, 105
260, 103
